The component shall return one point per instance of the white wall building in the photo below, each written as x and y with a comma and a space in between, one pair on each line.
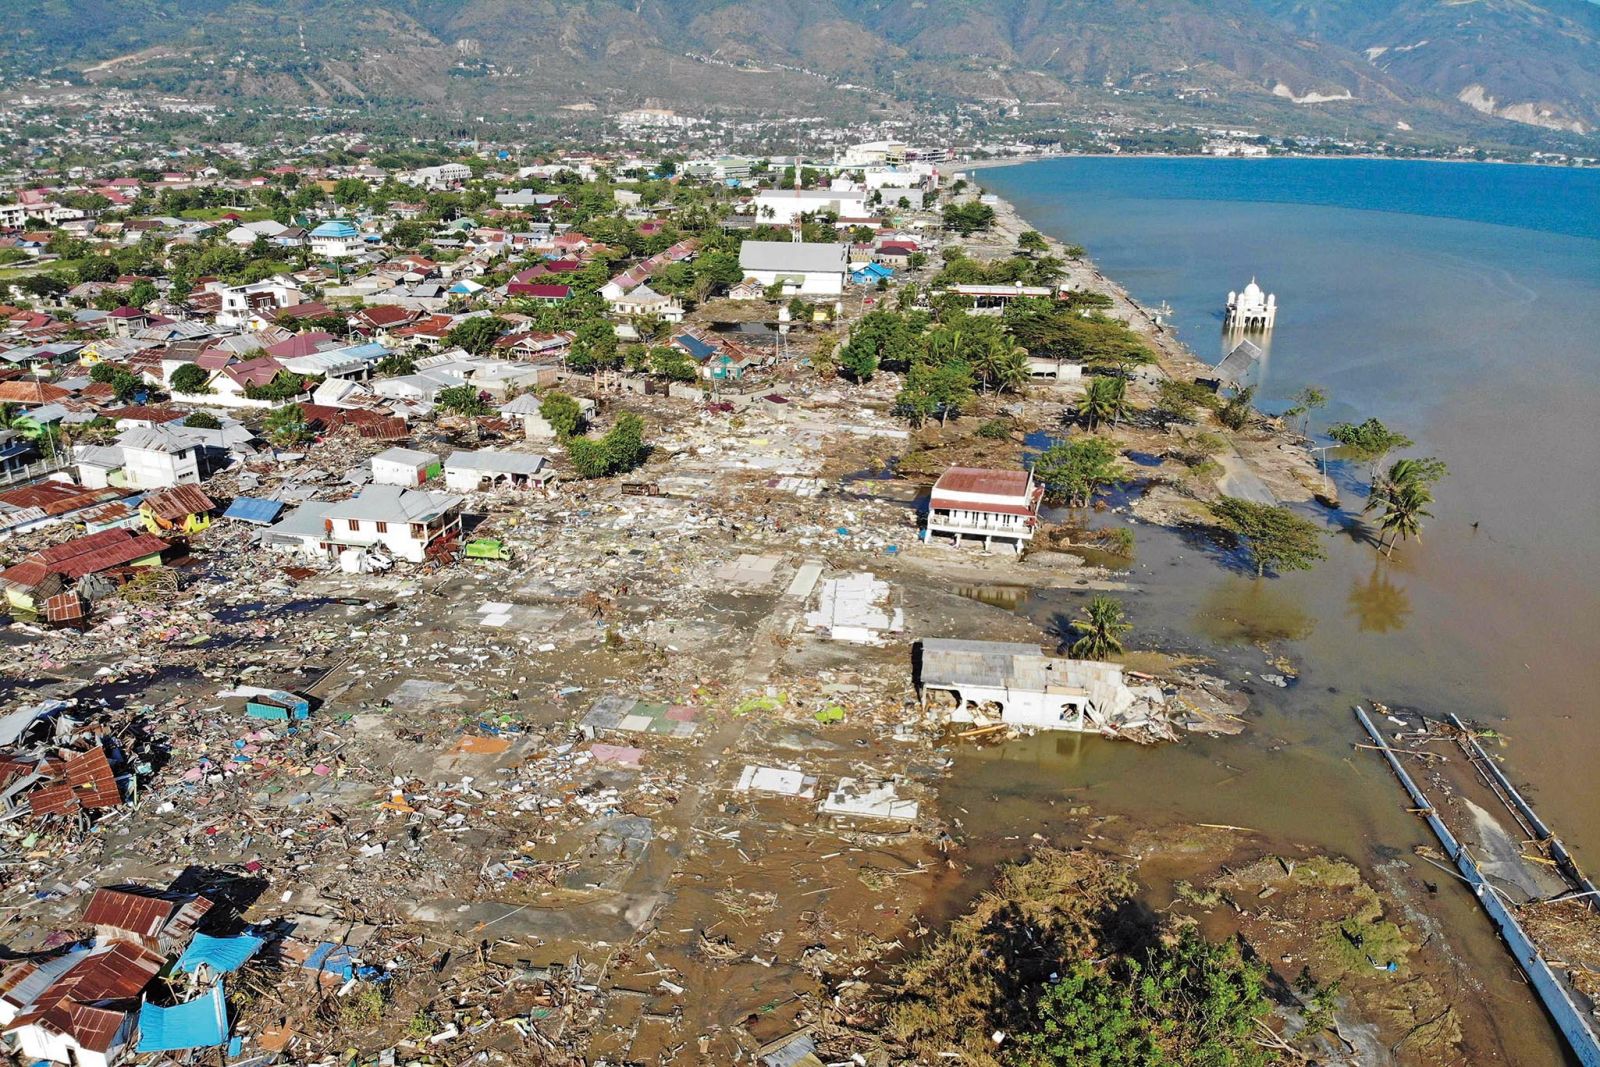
404, 522
1252, 309
467, 471
802, 267
335, 239
446, 174
1017, 685
402, 466
781, 207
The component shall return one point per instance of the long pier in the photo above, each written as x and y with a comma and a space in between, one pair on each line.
1567, 1015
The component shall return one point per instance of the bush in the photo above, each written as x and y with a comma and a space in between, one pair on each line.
562, 413
621, 450
995, 429
202, 420
190, 378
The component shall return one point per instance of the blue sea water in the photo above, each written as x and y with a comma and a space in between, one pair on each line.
1460, 303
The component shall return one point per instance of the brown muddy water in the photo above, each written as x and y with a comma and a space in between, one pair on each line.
1478, 339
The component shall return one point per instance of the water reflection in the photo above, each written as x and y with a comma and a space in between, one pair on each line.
1249, 611
1379, 605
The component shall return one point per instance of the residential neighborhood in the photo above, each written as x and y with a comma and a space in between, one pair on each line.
478, 605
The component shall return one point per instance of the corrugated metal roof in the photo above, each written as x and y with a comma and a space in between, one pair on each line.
251, 509
179, 502
140, 914
198, 1023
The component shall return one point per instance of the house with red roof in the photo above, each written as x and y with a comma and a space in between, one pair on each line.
539, 292
985, 504
42, 575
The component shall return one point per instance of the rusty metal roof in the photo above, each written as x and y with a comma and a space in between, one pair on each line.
179, 502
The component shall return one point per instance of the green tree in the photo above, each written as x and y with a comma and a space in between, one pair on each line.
1235, 411
123, 382
285, 385
721, 269
673, 364
191, 379
1002, 364
1075, 470
1031, 243
1102, 626
1195, 1003
142, 294
461, 400
1180, 401
621, 450
349, 191
1103, 401
1277, 539
594, 347
968, 218
562, 413
286, 426
395, 364
202, 420
477, 334
1369, 441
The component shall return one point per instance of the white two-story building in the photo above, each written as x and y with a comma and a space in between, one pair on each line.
989, 505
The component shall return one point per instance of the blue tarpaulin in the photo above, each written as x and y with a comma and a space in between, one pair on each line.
250, 509
224, 955
334, 959
199, 1023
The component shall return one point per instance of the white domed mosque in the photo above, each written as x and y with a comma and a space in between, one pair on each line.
1251, 309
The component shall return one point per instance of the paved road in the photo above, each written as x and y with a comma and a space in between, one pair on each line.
1240, 481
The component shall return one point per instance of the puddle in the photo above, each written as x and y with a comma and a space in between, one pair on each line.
1006, 597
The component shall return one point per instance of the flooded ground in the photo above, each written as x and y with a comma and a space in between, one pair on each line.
1478, 341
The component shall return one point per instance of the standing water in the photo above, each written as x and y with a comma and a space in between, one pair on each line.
1461, 305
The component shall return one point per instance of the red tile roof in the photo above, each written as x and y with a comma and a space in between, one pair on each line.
982, 480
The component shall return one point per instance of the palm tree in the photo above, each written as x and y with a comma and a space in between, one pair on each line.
1403, 493
1404, 509
1102, 626
1003, 364
1103, 400
9, 414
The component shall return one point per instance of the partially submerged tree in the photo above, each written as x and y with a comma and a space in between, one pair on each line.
1369, 441
1075, 470
1277, 539
1403, 494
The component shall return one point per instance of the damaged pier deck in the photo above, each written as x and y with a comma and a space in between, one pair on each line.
1556, 993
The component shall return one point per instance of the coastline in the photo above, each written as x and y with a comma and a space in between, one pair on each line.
1269, 462
1017, 161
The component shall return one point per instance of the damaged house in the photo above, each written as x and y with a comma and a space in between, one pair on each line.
84, 1007
997, 682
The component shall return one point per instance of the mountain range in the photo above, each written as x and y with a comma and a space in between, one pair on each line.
1449, 68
